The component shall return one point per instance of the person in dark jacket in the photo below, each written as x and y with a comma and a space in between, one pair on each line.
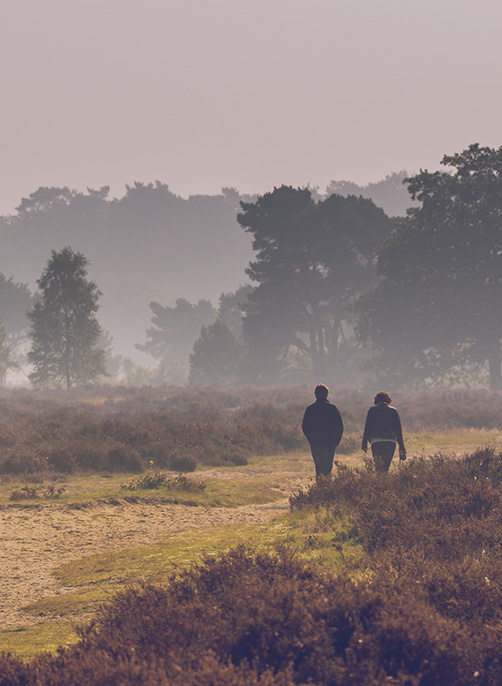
323, 428
383, 430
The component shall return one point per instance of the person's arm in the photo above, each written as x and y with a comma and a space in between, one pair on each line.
399, 436
339, 427
306, 425
366, 436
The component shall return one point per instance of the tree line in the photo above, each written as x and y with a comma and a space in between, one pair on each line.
339, 290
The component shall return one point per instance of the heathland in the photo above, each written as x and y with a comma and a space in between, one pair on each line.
168, 536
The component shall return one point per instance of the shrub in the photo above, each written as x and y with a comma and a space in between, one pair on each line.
154, 479
61, 460
123, 459
182, 483
252, 618
25, 493
79, 427
182, 463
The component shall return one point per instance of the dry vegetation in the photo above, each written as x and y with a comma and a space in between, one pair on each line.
393, 579
121, 430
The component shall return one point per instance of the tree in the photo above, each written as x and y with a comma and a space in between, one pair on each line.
64, 328
216, 357
230, 309
15, 301
390, 193
6, 360
147, 242
175, 329
312, 259
113, 362
438, 306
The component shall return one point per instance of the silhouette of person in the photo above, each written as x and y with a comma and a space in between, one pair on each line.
323, 428
383, 430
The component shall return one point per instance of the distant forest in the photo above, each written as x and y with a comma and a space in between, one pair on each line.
397, 282
148, 246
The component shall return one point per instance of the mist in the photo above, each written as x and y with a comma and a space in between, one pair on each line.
224, 104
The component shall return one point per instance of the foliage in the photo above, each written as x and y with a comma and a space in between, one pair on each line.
6, 360
143, 242
31, 493
174, 329
422, 608
389, 193
230, 309
154, 479
311, 260
122, 429
216, 357
118, 429
15, 301
64, 328
243, 617
437, 309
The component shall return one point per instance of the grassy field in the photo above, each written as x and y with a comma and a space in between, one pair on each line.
88, 582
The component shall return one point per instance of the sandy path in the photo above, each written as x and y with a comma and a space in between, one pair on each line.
35, 540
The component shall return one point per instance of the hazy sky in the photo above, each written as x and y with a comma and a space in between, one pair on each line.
202, 94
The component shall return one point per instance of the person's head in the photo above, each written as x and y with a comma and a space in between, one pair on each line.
382, 397
321, 392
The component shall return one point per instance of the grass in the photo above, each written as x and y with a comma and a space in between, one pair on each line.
234, 491
28, 641
86, 489
95, 579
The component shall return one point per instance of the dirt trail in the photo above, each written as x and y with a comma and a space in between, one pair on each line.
35, 540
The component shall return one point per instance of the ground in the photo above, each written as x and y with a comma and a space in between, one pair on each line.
37, 538
35, 542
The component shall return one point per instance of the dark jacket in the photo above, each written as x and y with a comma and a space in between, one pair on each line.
382, 421
322, 424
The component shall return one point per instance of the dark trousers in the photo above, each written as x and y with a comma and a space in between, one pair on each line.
383, 452
323, 459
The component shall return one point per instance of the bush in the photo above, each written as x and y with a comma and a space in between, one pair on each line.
154, 479
123, 459
78, 428
182, 463
25, 493
61, 460
424, 609
253, 618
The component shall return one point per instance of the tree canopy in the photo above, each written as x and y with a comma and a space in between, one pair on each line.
216, 357
64, 328
438, 306
15, 301
6, 360
174, 330
312, 259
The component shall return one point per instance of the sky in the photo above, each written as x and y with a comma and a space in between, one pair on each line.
206, 94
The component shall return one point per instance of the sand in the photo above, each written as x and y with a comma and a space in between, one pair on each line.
37, 539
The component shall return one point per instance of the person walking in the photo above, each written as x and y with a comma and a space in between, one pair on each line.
323, 428
383, 430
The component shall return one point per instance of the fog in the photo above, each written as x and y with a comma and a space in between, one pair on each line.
235, 93
223, 102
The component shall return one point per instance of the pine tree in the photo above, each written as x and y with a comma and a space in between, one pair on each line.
64, 328
216, 357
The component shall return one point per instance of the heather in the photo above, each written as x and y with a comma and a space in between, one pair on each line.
419, 604
123, 429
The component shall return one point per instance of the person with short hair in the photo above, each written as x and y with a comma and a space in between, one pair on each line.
383, 430
323, 428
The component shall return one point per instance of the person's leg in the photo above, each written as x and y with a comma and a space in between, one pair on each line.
383, 452
323, 459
